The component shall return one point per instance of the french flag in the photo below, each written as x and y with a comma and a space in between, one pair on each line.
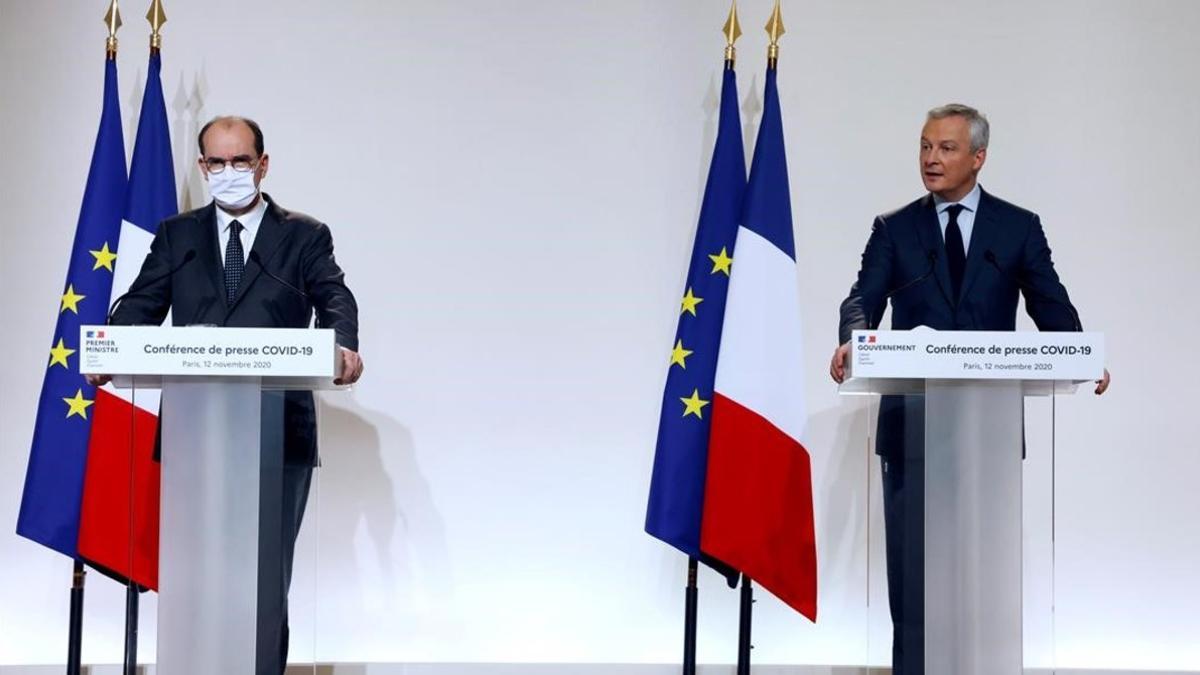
118, 522
758, 506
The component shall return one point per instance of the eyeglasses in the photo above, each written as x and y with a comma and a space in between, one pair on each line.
241, 164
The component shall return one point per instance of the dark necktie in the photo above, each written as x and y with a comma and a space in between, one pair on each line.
956, 252
235, 261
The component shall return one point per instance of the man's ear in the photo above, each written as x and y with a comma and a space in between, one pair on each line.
980, 158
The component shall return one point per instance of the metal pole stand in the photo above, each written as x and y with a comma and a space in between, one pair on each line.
744, 612
75, 624
131, 629
689, 620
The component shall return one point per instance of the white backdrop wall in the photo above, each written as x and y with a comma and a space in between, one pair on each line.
513, 189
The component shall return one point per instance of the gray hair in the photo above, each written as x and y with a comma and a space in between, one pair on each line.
980, 131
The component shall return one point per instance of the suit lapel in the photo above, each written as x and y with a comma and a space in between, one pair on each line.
930, 232
982, 233
209, 250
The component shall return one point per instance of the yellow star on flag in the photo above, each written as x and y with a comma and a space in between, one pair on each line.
692, 405
679, 354
70, 300
689, 302
104, 258
721, 262
78, 405
59, 354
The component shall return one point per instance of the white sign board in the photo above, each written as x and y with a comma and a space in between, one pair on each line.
208, 351
976, 355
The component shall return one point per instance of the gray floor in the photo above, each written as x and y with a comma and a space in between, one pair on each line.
549, 669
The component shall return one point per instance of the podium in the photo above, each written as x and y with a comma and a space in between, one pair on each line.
974, 384
222, 428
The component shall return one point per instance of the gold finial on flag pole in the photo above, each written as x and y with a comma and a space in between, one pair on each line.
732, 31
774, 31
113, 20
157, 17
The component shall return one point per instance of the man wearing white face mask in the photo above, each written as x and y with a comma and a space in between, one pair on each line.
244, 261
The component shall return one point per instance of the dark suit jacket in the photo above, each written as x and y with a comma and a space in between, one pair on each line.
900, 249
294, 247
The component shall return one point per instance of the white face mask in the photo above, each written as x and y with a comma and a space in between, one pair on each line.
233, 189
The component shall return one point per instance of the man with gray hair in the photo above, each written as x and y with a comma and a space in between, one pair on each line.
956, 259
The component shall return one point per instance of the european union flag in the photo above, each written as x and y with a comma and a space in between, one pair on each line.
681, 457
54, 479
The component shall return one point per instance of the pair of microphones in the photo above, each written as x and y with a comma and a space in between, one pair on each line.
990, 257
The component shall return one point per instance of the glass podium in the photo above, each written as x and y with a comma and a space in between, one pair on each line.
220, 465
984, 444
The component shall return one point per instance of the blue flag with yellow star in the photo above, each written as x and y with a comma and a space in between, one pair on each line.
54, 479
681, 457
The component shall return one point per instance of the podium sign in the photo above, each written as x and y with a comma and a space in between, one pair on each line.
976, 355
208, 351
904, 362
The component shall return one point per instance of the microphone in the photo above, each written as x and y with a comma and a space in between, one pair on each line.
991, 258
257, 260
187, 258
932, 255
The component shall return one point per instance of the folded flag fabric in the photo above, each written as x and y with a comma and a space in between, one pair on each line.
758, 506
50, 501
676, 502
118, 531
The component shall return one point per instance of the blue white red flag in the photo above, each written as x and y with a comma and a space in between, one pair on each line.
758, 505
119, 520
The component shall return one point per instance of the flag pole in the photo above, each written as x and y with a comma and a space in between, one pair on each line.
774, 30
689, 619
75, 632
744, 616
112, 19
157, 17
131, 628
732, 31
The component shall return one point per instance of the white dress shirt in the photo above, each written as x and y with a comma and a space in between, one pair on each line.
966, 217
250, 222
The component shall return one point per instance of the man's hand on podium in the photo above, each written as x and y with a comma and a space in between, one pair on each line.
837, 365
101, 380
1102, 383
352, 367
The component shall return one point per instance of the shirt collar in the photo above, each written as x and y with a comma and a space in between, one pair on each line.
250, 220
970, 202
